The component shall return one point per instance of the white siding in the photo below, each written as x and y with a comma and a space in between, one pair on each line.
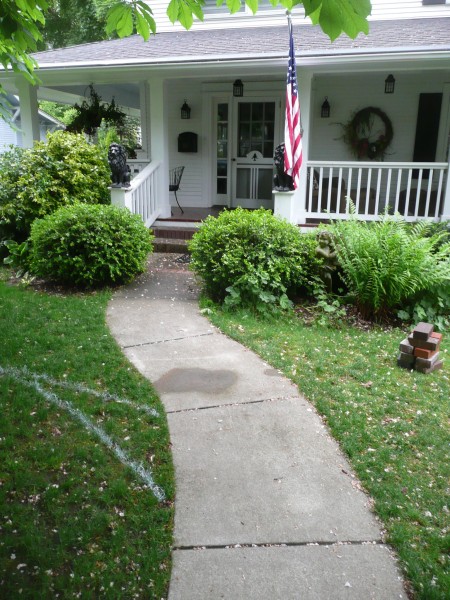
407, 9
7, 136
349, 93
190, 193
267, 15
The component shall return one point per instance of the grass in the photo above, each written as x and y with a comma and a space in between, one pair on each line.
392, 423
76, 521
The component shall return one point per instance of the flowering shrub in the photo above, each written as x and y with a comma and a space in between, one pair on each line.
35, 182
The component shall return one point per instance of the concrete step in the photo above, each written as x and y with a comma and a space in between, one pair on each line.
170, 238
170, 245
173, 233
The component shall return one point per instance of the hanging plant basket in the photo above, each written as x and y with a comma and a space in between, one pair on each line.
369, 133
92, 112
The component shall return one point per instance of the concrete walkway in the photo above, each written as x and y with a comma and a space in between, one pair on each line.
266, 505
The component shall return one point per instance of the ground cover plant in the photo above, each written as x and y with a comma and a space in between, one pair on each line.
80, 518
392, 423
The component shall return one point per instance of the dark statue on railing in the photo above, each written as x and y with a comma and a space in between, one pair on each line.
282, 181
120, 171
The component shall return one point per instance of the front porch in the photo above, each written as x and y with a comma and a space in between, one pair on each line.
230, 159
413, 190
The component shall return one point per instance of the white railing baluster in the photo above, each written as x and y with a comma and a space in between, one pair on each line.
427, 201
369, 179
439, 199
140, 196
408, 192
418, 193
377, 193
414, 197
388, 186
397, 194
330, 179
309, 207
358, 190
349, 190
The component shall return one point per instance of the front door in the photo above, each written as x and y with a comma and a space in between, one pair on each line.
255, 137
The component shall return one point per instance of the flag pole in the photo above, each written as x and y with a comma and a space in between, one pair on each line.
293, 154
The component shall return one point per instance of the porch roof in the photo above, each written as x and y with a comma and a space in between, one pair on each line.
181, 47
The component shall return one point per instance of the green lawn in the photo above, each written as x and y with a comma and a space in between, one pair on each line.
86, 473
392, 423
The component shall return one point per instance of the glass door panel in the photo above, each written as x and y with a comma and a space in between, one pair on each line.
255, 131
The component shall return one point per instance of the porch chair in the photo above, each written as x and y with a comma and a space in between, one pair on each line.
174, 182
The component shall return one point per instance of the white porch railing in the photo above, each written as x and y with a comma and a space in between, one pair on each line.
141, 197
415, 190
136, 166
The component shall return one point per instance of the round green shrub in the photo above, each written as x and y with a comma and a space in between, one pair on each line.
250, 258
34, 182
89, 245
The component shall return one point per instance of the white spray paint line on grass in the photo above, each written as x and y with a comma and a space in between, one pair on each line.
78, 387
137, 467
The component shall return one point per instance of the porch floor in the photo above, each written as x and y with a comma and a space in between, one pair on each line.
192, 214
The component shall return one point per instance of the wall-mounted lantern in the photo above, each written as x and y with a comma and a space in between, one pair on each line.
325, 109
238, 88
185, 111
389, 84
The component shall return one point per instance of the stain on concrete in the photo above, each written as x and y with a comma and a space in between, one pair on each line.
196, 380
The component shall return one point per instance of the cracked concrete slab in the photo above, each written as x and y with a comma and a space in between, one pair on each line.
255, 465
263, 473
208, 370
151, 320
340, 572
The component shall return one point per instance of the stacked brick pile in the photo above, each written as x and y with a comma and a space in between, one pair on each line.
420, 350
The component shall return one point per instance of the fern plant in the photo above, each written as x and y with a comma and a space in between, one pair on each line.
386, 263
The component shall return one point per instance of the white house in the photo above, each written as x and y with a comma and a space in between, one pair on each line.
12, 135
228, 152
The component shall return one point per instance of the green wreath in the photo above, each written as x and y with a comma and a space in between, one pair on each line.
358, 134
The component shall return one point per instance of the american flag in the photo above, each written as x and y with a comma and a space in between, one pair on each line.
292, 129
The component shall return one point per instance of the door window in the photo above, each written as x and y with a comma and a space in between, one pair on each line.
222, 148
256, 128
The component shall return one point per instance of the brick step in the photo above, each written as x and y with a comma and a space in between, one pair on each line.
170, 245
174, 233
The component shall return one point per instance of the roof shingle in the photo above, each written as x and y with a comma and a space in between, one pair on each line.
182, 46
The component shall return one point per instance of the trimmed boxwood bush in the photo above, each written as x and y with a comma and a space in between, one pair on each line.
34, 182
89, 245
251, 258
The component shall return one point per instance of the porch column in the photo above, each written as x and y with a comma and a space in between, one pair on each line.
445, 216
144, 101
159, 146
29, 115
304, 95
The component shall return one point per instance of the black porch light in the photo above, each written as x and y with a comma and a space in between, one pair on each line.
238, 88
389, 84
185, 111
325, 109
